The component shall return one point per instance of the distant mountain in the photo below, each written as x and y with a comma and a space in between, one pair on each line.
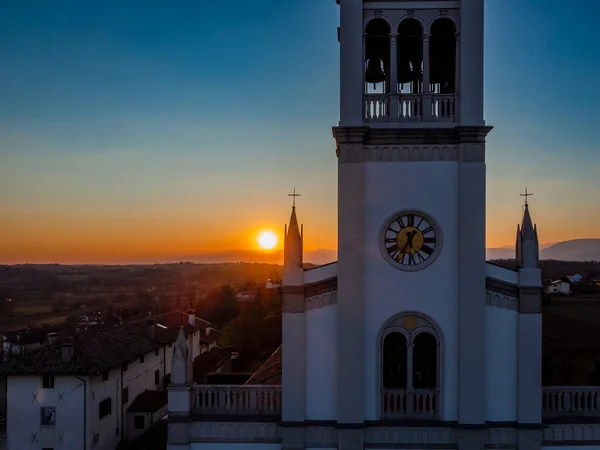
573, 250
499, 253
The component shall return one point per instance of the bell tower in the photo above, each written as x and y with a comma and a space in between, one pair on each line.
411, 197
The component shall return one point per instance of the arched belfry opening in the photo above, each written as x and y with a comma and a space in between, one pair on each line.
410, 57
410, 375
377, 56
442, 56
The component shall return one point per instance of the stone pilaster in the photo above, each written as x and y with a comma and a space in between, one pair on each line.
472, 439
530, 439
471, 291
350, 439
350, 307
178, 437
293, 358
292, 438
529, 362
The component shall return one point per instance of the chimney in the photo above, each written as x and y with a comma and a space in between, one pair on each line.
51, 338
151, 327
66, 351
192, 317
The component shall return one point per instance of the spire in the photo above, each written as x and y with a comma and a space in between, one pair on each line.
292, 251
180, 361
527, 248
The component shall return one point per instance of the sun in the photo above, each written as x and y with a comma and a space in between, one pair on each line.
267, 240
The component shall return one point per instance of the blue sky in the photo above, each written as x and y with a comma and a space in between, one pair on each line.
164, 126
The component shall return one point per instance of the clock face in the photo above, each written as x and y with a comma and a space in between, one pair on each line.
410, 240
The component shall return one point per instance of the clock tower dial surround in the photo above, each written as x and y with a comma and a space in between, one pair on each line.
410, 240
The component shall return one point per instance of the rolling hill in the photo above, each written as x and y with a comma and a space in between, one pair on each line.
573, 250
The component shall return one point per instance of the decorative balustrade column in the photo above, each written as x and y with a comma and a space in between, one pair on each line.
426, 112
393, 97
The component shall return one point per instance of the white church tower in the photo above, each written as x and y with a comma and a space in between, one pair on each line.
411, 174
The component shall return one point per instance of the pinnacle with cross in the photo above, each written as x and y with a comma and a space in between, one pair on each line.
526, 194
294, 195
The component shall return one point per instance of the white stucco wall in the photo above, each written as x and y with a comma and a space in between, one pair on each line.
321, 363
389, 291
98, 391
24, 414
501, 364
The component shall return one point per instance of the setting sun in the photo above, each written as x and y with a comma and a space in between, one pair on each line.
267, 240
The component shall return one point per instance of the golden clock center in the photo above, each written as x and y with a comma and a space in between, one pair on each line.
410, 240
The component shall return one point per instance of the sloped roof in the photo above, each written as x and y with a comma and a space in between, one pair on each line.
148, 401
270, 372
99, 351
209, 361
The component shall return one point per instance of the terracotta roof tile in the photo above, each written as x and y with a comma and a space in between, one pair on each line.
99, 351
270, 372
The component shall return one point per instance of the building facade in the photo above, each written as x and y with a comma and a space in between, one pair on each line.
100, 388
409, 340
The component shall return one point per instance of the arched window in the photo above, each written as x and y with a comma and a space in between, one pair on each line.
377, 56
424, 365
410, 56
410, 376
442, 56
394, 361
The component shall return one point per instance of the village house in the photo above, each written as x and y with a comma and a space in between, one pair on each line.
99, 388
561, 286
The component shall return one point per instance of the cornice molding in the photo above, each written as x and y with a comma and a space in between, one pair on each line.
320, 301
321, 287
356, 153
497, 300
501, 287
307, 435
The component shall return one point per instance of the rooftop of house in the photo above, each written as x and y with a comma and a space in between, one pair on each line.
270, 372
148, 401
208, 362
96, 352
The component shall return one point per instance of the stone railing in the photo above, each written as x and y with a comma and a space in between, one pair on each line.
444, 107
377, 108
406, 403
237, 400
410, 108
570, 401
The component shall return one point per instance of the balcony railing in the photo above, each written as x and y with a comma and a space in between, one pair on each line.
237, 400
410, 108
570, 401
410, 404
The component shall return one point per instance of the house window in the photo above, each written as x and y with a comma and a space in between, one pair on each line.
48, 381
105, 376
410, 355
125, 395
48, 415
105, 408
157, 377
139, 422
124, 367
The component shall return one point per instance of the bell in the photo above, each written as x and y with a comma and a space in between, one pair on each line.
374, 73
